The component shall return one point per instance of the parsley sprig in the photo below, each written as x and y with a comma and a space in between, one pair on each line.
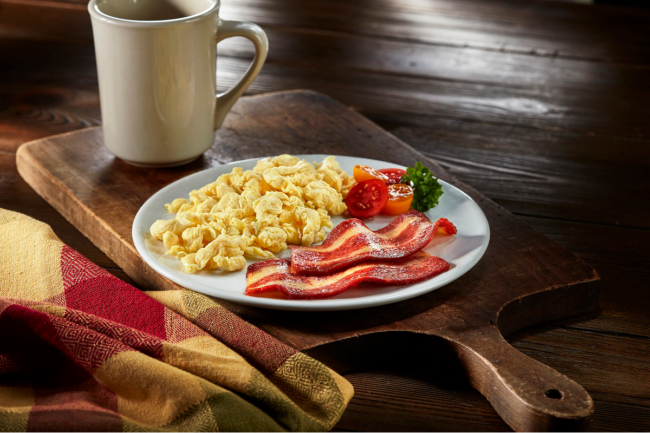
426, 188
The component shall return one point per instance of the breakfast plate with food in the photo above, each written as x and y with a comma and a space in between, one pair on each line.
311, 232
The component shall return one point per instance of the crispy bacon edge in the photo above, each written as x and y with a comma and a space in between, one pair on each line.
352, 242
277, 274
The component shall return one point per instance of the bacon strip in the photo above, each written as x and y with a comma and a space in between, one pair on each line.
277, 274
353, 242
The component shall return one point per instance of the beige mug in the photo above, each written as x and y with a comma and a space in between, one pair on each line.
156, 61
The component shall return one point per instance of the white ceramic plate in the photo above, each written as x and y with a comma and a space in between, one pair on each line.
462, 251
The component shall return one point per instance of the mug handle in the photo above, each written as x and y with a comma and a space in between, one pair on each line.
254, 33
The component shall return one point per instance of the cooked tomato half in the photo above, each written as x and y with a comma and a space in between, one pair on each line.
400, 197
362, 172
367, 198
394, 175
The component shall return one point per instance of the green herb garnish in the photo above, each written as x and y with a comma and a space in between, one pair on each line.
426, 188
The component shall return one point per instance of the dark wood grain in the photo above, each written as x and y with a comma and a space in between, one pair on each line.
405, 95
471, 84
621, 257
555, 174
532, 28
580, 180
415, 399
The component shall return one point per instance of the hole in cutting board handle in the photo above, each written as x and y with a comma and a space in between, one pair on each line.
553, 393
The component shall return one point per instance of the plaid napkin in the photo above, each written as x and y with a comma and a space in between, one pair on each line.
82, 350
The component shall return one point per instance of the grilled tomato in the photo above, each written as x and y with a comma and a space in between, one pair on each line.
400, 197
394, 175
363, 172
367, 198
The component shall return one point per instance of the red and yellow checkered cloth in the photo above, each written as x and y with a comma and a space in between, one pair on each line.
82, 350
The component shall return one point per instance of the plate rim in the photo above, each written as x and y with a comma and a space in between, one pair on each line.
300, 304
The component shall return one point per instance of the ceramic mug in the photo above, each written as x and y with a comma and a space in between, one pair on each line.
156, 61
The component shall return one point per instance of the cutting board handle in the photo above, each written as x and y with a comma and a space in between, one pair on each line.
528, 395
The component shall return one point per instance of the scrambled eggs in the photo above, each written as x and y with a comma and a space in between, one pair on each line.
254, 213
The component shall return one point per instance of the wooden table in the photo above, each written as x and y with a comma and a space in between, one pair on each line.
542, 106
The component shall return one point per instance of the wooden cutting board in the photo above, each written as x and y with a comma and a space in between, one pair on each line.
523, 279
